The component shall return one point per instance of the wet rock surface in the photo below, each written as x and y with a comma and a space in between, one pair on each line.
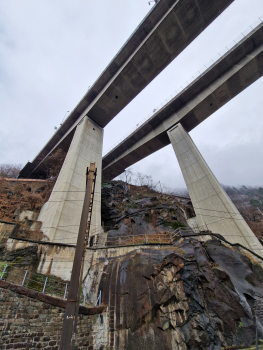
189, 296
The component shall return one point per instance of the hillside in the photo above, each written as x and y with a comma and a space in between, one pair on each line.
161, 286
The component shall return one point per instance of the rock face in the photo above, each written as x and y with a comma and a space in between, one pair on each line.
138, 211
190, 296
183, 295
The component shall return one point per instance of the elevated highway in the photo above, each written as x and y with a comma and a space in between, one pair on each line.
230, 75
163, 34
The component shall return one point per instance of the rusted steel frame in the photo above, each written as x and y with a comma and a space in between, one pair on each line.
83, 260
67, 328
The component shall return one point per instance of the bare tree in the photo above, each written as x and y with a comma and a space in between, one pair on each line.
10, 170
149, 181
128, 173
55, 162
140, 177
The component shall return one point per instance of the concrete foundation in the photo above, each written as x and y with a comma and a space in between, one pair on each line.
61, 215
214, 209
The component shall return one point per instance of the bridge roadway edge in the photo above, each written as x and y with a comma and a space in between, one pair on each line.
233, 73
163, 34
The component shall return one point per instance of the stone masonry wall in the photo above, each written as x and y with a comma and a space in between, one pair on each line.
29, 323
6, 229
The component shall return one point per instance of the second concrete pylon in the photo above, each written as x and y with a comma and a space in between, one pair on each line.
214, 209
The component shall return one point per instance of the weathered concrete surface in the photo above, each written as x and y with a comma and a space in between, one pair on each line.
164, 33
6, 228
230, 75
61, 214
213, 208
186, 297
43, 258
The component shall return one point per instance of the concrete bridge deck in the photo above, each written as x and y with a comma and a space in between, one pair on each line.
163, 34
230, 75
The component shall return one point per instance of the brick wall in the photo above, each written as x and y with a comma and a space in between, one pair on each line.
27, 322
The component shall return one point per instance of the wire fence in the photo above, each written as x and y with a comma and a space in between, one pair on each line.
139, 239
48, 284
54, 286
142, 239
191, 79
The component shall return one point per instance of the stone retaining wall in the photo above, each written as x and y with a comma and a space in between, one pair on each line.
31, 320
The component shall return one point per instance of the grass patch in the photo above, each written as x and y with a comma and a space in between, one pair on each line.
36, 282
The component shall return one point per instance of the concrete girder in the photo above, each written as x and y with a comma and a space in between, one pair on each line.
224, 80
164, 33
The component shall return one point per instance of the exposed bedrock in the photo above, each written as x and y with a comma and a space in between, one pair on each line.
190, 296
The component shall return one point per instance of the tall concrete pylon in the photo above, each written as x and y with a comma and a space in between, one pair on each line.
60, 215
214, 209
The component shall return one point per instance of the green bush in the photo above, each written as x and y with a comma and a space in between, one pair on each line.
254, 202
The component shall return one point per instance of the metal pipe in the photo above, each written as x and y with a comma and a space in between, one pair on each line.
84, 297
3, 271
99, 299
43, 291
24, 278
66, 287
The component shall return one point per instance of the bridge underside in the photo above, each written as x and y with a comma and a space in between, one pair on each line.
164, 33
229, 76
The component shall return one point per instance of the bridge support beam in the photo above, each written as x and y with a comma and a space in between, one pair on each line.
214, 209
61, 215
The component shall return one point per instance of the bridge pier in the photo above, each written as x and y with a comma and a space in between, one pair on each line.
214, 209
60, 215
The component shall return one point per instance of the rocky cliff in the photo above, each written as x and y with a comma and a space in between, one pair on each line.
161, 287
186, 295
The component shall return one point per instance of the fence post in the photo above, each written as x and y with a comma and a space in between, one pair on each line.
24, 278
3, 271
84, 298
66, 287
99, 299
133, 240
43, 291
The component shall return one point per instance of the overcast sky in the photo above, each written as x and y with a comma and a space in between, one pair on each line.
51, 51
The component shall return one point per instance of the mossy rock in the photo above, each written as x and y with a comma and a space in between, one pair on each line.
174, 225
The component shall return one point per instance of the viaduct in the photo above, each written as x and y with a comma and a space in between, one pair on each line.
163, 34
